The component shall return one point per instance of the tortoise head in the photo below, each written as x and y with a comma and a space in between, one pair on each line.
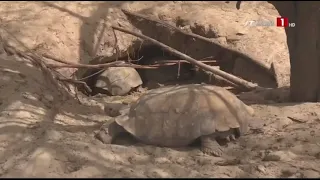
123, 119
114, 109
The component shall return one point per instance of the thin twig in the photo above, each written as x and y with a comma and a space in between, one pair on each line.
77, 65
104, 66
115, 46
183, 61
94, 66
116, 64
67, 64
91, 75
73, 81
55, 59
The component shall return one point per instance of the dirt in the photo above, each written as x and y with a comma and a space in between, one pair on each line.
41, 137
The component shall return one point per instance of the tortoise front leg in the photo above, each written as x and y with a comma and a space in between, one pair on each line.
210, 146
231, 137
108, 133
103, 136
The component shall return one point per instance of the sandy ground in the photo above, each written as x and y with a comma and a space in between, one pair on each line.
40, 138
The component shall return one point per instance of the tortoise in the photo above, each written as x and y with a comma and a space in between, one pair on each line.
178, 115
119, 81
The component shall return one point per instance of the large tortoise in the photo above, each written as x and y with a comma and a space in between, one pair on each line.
178, 115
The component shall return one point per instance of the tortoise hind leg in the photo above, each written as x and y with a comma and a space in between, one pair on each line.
210, 146
108, 133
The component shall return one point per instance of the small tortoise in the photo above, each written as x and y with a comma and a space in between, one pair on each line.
119, 81
178, 115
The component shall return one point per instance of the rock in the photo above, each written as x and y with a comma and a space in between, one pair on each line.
48, 97
161, 160
53, 135
289, 172
261, 168
279, 156
30, 96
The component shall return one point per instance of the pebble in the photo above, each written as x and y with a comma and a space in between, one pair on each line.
48, 97
279, 156
261, 168
30, 96
288, 172
202, 161
161, 160
138, 159
53, 135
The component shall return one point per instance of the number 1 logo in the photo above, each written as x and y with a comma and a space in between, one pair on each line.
282, 22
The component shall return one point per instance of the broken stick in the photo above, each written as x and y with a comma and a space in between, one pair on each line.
171, 62
238, 81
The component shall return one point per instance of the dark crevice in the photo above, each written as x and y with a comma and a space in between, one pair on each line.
170, 74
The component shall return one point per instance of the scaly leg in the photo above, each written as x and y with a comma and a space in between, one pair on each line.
103, 136
107, 134
113, 109
230, 138
210, 146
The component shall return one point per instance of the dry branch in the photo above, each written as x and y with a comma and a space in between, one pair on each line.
103, 66
95, 66
73, 81
247, 57
238, 81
